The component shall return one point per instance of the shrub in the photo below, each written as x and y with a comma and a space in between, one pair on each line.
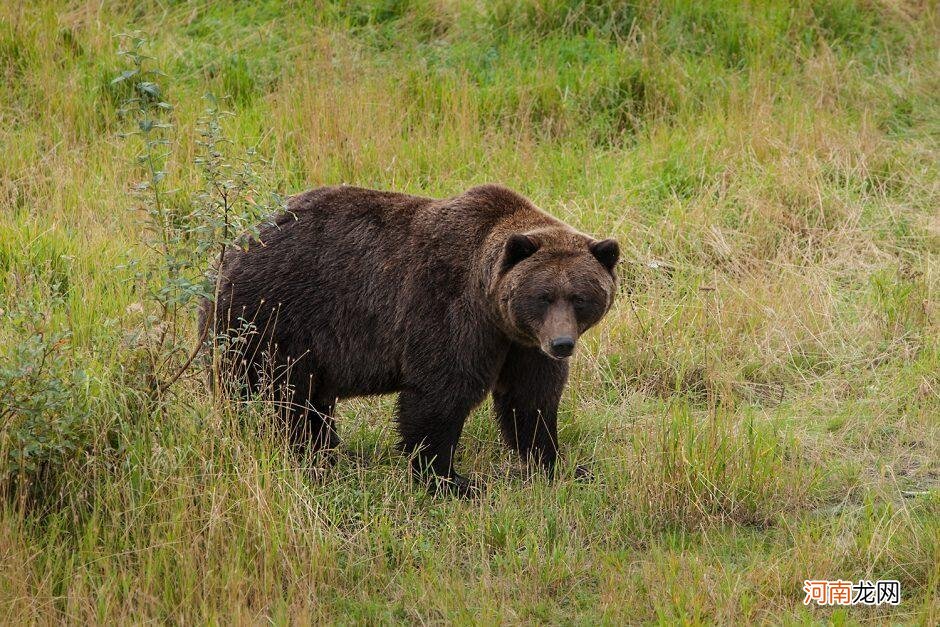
44, 418
183, 236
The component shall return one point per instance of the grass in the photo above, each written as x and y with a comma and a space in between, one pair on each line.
760, 406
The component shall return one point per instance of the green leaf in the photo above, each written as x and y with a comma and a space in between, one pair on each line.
126, 74
151, 89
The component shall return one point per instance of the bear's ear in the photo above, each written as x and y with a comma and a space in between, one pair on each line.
607, 251
518, 247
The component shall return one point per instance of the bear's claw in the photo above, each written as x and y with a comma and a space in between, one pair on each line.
455, 485
583, 474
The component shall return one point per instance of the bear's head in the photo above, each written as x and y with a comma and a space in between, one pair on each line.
553, 284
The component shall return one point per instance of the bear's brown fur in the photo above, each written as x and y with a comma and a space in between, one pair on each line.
355, 292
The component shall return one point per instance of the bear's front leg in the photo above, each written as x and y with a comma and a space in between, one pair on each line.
430, 423
525, 399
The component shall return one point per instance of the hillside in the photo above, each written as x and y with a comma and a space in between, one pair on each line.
759, 408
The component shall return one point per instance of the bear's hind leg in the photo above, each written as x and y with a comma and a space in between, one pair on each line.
308, 415
312, 428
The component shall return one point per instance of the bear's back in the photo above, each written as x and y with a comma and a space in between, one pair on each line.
355, 280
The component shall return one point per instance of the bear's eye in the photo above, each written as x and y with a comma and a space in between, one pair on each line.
577, 299
545, 299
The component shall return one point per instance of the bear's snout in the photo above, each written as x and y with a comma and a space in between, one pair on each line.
558, 330
561, 347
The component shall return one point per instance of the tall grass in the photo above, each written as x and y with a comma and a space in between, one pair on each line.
759, 407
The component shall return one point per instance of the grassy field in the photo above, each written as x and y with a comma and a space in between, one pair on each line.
760, 407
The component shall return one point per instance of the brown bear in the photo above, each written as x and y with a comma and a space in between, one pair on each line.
354, 292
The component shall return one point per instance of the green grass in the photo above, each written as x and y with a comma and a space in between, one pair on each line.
760, 407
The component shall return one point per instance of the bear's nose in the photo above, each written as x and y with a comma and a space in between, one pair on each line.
562, 346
